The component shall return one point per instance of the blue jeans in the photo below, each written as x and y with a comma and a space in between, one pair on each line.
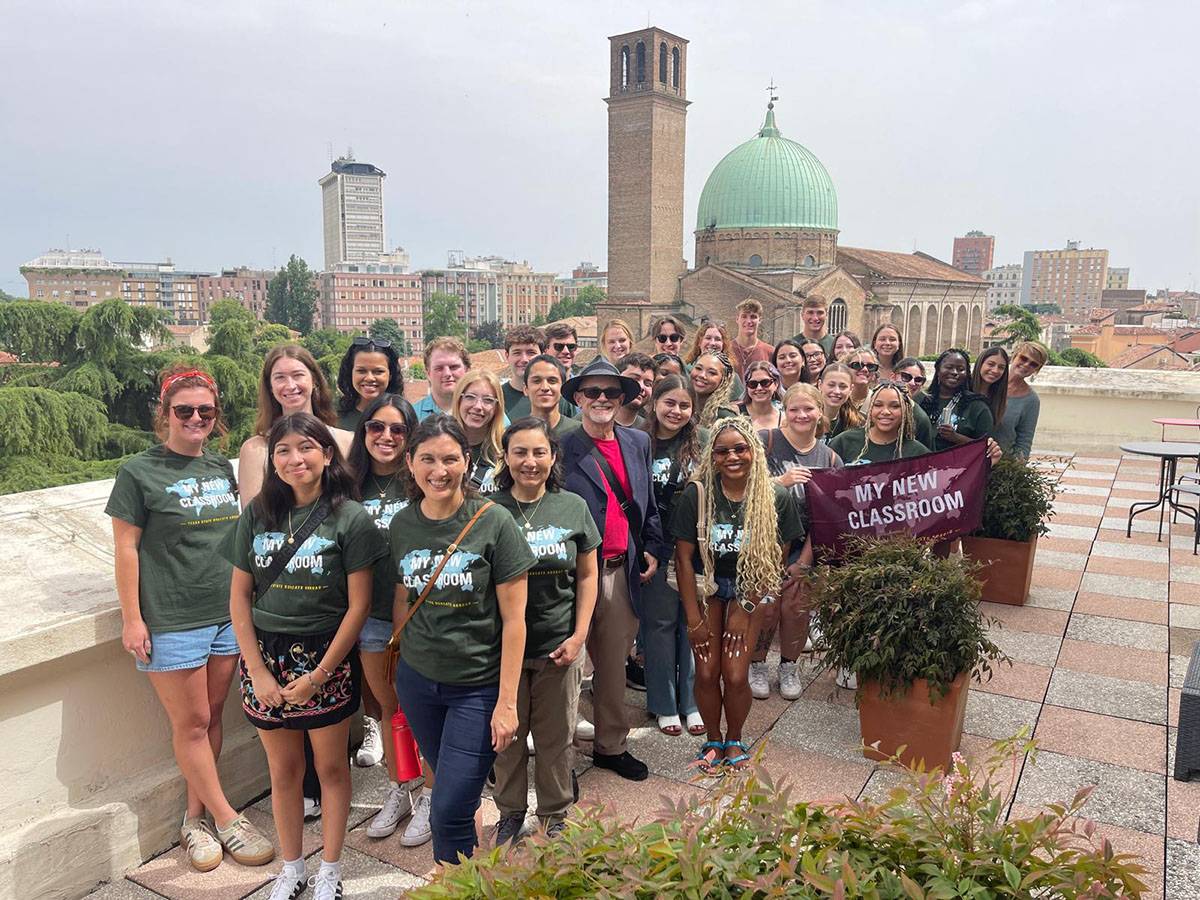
670, 668
453, 728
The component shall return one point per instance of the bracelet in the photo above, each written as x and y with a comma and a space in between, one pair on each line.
313, 684
696, 626
328, 674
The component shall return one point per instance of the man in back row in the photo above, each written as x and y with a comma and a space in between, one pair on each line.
521, 344
813, 313
446, 361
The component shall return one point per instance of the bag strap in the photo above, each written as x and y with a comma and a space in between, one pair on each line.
632, 515
393, 644
292, 547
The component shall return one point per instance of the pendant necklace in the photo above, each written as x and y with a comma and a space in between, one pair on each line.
383, 491
528, 523
292, 531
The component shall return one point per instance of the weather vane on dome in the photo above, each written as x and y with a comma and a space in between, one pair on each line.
771, 95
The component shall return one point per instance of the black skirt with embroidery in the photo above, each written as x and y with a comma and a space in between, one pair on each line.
289, 657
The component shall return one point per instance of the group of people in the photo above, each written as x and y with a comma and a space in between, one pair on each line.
509, 539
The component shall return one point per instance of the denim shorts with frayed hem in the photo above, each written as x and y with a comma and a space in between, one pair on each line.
375, 635
190, 649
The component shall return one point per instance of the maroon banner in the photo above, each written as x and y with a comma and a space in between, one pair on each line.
937, 496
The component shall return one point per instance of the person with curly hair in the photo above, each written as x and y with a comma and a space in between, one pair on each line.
960, 414
370, 369
889, 432
733, 527
712, 379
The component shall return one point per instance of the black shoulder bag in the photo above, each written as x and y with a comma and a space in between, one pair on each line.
263, 583
632, 515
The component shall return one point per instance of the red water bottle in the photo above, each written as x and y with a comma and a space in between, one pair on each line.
408, 764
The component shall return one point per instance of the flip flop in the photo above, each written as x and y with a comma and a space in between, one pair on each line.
737, 763
669, 725
709, 760
695, 724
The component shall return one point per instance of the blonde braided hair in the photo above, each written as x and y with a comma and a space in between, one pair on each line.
907, 427
720, 395
758, 564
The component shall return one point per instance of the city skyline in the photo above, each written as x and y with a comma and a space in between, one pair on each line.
495, 149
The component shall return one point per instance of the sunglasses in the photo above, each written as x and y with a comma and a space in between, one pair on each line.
565, 348
859, 366
382, 343
760, 383
184, 411
736, 450
609, 393
668, 338
906, 377
398, 429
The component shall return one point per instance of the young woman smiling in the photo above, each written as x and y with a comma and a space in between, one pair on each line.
990, 378
761, 403
478, 406
370, 368
865, 366
172, 506
300, 669
844, 342
836, 385
889, 431
959, 414
462, 650
563, 583
675, 442
815, 361
788, 360
615, 339
910, 373
713, 337
1016, 430
712, 380
748, 523
888, 347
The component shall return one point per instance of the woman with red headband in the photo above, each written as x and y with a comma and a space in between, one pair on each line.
171, 508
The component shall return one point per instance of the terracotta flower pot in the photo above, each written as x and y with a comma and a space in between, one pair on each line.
930, 732
1007, 567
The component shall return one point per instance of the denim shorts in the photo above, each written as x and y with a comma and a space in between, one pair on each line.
173, 650
375, 635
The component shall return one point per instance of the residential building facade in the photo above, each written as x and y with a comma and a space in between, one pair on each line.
1118, 279
1073, 278
491, 289
247, 286
352, 212
350, 301
582, 276
1004, 285
973, 252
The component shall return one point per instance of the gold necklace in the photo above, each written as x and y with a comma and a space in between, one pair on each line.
383, 491
292, 531
528, 523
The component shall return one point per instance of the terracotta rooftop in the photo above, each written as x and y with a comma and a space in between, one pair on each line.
585, 326
907, 265
1136, 354
1099, 313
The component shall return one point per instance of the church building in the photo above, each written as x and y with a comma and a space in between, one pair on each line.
766, 227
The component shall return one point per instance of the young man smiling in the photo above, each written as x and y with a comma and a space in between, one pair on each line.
544, 378
446, 361
747, 346
521, 344
640, 368
813, 314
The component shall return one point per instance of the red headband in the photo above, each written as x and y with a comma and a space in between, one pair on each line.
170, 381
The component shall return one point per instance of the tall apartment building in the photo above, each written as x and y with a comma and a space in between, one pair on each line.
352, 212
491, 288
1117, 280
582, 275
1073, 278
353, 296
973, 252
247, 286
1004, 285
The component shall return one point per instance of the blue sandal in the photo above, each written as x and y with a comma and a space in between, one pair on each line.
710, 758
738, 762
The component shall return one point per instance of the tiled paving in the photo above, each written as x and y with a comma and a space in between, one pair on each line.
1099, 652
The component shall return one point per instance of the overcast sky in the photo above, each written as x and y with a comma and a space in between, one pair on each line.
198, 130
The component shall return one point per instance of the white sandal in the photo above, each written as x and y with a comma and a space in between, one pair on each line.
695, 724
670, 726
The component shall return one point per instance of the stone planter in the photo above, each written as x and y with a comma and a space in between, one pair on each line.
929, 732
1006, 567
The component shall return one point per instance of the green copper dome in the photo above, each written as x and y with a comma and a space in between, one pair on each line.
768, 182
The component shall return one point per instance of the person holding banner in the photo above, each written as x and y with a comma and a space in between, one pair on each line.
837, 381
960, 414
733, 526
889, 431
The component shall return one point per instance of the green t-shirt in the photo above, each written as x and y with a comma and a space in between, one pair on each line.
520, 408
727, 531
666, 476
349, 420
849, 444
558, 529
973, 420
483, 470
454, 637
565, 426
381, 506
309, 596
185, 506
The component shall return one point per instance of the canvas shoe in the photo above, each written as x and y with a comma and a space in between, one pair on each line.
789, 681
396, 805
312, 809
326, 885
370, 753
287, 887
418, 830
760, 684
585, 730
198, 841
246, 843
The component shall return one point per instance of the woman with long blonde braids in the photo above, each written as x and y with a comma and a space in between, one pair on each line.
733, 526
889, 433
712, 377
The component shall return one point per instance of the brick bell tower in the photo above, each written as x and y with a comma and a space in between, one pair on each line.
647, 108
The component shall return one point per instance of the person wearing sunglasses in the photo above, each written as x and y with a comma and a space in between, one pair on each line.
381, 470
668, 334
959, 414
910, 372
171, 507
747, 346
1014, 433
563, 341
761, 404
478, 406
370, 368
865, 366
748, 523
609, 466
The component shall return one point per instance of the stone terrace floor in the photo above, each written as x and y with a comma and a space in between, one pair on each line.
1099, 654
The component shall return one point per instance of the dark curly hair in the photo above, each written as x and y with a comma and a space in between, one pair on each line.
345, 380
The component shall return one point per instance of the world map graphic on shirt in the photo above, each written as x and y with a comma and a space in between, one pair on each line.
382, 512
549, 541
416, 565
198, 493
307, 557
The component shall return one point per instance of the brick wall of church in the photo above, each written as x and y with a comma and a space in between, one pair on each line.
775, 247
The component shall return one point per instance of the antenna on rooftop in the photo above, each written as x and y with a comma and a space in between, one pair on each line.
349, 152
329, 145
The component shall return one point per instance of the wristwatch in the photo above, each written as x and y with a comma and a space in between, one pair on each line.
748, 605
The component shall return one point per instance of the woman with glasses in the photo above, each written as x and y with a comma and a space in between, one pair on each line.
836, 386
788, 359
959, 414
844, 342
712, 380
911, 373
889, 348
990, 378
171, 507
815, 361
865, 366
888, 434
370, 369
1016, 429
748, 523
478, 406
668, 335
761, 403
615, 340
378, 463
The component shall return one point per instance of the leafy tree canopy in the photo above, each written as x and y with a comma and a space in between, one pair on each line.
1082, 359
231, 330
1022, 325
389, 330
442, 318
582, 304
491, 334
326, 342
270, 335
292, 296
38, 330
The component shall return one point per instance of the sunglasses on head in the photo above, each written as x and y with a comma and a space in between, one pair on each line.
565, 348
869, 366
609, 393
184, 411
374, 426
759, 383
906, 377
665, 338
381, 343
736, 449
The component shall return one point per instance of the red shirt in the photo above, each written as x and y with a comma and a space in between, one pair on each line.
616, 524
742, 357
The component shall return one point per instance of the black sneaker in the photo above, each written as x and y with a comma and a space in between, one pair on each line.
508, 829
491, 779
624, 764
635, 674
555, 829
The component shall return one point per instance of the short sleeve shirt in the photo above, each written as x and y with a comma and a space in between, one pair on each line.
727, 532
454, 637
974, 420
667, 476
310, 595
186, 506
381, 506
781, 456
849, 444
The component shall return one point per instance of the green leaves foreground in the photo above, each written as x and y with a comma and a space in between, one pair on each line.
931, 837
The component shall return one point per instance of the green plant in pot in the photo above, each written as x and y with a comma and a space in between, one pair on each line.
907, 623
1016, 508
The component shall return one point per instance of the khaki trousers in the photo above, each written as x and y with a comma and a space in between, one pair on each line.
547, 706
614, 626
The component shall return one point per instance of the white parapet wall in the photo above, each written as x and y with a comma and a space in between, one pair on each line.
91, 788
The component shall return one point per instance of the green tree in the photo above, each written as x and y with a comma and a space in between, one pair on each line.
326, 342
491, 334
389, 330
292, 296
1044, 309
416, 372
6, 297
582, 304
231, 330
1022, 325
1081, 359
38, 330
38, 421
112, 331
441, 317
268, 335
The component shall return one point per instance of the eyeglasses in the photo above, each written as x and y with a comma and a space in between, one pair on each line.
397, 429
184, 411
381, 343
668, 338
609, 393
906, 377
472, 399
858, 366
564, 348
760, 383
735, 450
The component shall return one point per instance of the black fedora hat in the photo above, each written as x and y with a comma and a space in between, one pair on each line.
601, 368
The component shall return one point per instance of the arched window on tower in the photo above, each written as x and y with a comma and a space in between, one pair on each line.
641, 62
809, 262
675, 68
624, 68
755, 260
662, 62
837, 315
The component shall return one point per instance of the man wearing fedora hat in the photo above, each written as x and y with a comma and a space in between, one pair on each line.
609, 466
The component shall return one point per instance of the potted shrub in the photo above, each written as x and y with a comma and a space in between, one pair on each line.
907, 623
1016, 507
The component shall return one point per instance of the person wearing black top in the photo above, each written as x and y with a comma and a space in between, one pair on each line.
959, 414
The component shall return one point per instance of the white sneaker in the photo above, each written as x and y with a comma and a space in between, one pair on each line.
847, 679
371, 751
789, 681
326, 885
396, 806
585, 730
287, 887
418, 830
760, 684
312, 809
